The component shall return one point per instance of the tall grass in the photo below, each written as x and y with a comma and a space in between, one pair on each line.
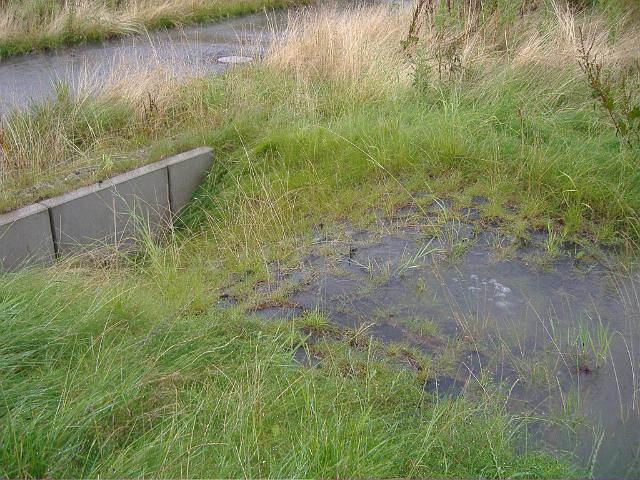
38, 24
131, 373
492, 102
514, 120
356, 51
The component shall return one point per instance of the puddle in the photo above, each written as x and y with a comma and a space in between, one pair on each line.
226, 301
304, 357
445, 387
561, 340
470, 213
279, 312
479, 200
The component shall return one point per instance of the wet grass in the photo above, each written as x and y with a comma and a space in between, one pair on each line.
115, 381
43, 25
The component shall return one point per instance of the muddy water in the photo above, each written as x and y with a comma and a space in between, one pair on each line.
559, 338
186, 51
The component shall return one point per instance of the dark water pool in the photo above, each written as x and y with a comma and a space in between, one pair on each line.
558, 335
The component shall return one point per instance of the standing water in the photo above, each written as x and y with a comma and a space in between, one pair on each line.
556, 338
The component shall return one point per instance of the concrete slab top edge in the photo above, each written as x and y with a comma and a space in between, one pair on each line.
15, 215
123, 177
102, 185
37, 233
187, 155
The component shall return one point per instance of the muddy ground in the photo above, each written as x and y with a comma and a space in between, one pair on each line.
442, 291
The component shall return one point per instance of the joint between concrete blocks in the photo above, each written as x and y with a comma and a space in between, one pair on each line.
54, 236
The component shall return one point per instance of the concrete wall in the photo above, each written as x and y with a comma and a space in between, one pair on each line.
113, 212
25, 238
186, 173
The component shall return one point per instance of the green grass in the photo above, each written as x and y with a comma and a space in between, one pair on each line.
31, 33
570, 171
558, 165
130, 369
110, 382
527, 138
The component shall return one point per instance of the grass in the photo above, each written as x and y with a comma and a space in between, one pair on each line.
129, 368
111, 382
337, 104
27, 26
592, 350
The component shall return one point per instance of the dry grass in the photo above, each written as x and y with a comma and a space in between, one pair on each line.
32, 18
360, 49
557, 46
357, 49
550, 42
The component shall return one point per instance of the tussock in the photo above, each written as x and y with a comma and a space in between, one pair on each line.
358, 49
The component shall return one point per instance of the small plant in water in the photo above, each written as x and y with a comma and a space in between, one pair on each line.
571, 404
553, 241
415, 261
422, 326
591, 348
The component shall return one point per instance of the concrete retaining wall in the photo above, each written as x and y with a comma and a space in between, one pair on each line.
113, 212
185, 175
25, 237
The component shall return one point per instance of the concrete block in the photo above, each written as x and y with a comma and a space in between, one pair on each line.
186, 173
25, 238
113, 212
